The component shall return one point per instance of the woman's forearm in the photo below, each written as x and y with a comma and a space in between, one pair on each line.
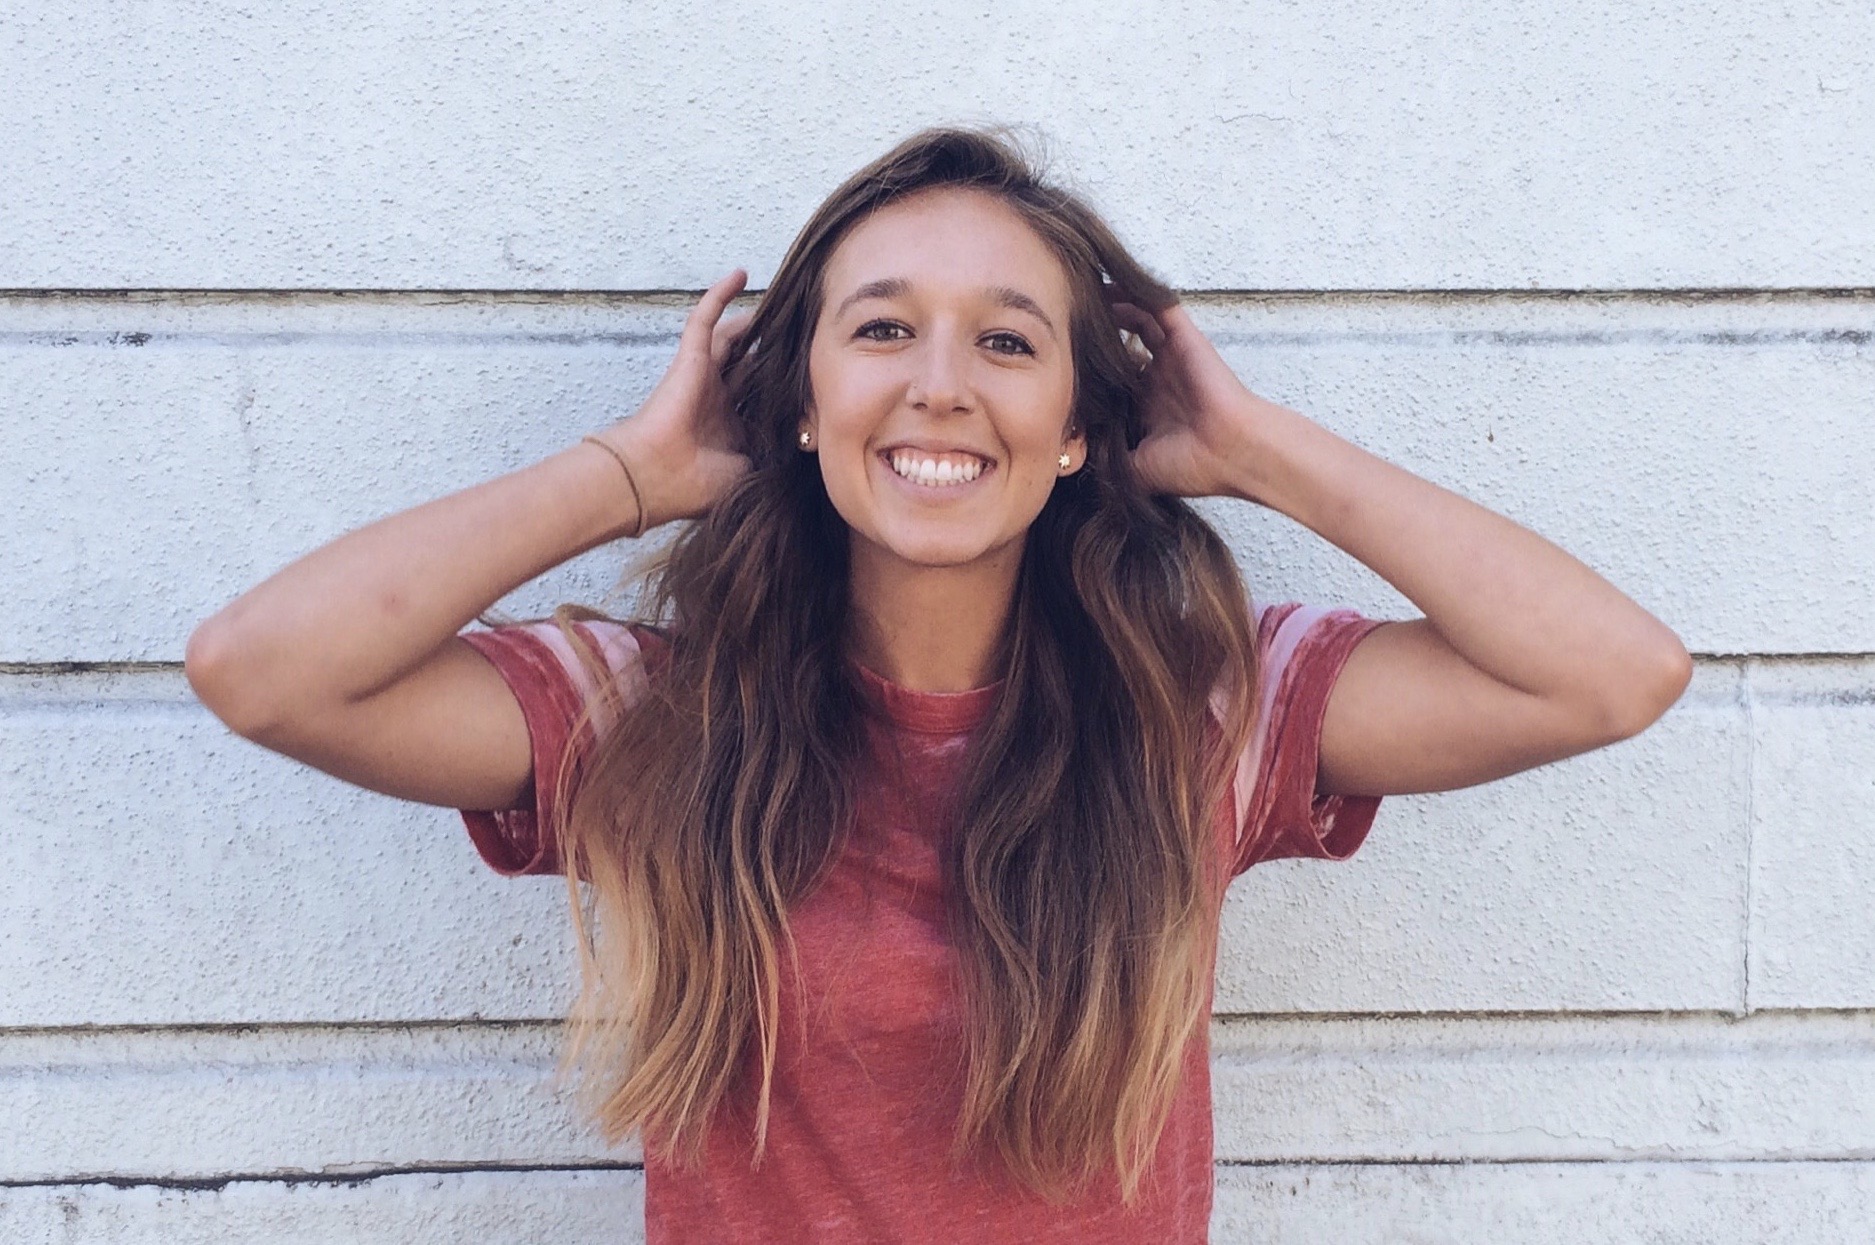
1511, 603
353, 616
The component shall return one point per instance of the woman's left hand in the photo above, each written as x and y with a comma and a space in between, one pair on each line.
1202, 423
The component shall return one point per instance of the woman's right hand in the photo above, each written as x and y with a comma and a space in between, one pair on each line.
680, 443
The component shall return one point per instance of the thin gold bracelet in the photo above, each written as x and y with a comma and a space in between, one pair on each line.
638, 527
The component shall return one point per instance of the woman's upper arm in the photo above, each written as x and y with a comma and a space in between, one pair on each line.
1409, 714
449, 733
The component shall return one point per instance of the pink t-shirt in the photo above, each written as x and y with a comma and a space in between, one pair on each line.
863, 1111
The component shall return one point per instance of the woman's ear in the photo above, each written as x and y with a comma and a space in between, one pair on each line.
1073, 452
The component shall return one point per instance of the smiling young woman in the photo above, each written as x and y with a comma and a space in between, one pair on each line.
898, 827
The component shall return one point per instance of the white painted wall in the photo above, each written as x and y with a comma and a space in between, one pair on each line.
1608, 268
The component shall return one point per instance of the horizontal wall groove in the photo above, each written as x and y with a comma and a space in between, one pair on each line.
42, 669
1664, 294
1558, 1014
353, 1179
547, 1024
657, 296
1428, 339
261, 1028
214, 1184
1615, 1161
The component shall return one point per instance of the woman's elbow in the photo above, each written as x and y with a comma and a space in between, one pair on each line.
212, 663
1647, 690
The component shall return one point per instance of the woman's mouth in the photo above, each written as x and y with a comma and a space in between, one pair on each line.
951, 467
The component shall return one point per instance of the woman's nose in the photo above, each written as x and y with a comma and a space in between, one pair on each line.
940, 383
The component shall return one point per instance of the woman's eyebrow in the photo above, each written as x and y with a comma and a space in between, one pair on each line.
884, 287
1008, 296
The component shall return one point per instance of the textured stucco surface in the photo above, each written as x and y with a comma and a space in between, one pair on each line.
298, 1102
172, 451
1573, 1203
1615, 881
487, 1208
269, 272
1813, 870
1340, 145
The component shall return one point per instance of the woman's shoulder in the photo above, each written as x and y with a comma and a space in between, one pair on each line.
1292, 635
1300, 651
584, 654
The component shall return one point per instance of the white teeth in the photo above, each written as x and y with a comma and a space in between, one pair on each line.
934, 471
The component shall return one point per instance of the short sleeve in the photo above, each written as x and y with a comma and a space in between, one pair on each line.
1300, 652
553, 686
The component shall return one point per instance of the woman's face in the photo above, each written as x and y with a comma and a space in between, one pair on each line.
943, 379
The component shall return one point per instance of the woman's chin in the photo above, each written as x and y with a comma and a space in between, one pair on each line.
932, 550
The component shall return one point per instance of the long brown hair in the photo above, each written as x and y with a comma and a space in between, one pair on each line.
1084, 860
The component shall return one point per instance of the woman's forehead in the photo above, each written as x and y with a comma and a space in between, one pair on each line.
948, 241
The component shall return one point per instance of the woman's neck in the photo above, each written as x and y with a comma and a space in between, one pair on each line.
931, 628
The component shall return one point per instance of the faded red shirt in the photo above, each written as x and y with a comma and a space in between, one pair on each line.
863, 1110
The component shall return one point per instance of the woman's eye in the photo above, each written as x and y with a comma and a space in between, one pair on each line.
1009, 343
880, 330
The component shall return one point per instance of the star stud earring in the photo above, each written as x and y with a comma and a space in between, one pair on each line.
1064, 460
807, 438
